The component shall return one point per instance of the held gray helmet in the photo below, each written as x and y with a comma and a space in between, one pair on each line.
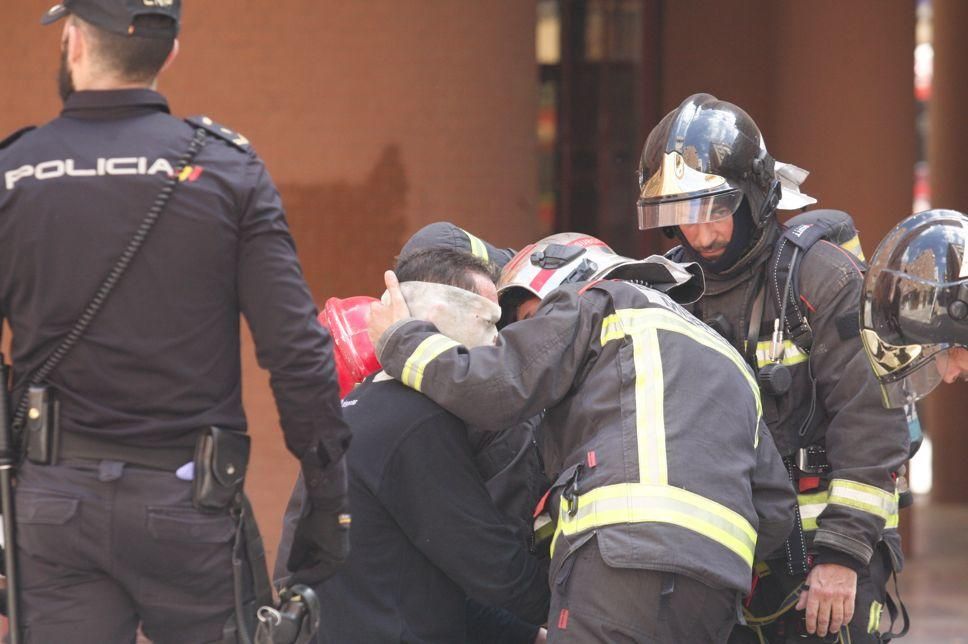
914, 306
702, 159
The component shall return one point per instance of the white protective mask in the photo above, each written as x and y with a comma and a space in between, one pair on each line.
459, 314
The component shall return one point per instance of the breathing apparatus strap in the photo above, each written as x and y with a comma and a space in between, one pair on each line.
796, 544
893, 609
755, 324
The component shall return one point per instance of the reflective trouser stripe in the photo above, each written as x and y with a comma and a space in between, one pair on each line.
640, 503
633, 321
875, 619
426, 351
478, 249
812, 505
790, 354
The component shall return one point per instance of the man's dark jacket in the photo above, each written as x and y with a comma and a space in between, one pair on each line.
426, 534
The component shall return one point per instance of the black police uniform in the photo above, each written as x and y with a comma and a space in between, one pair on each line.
105, 543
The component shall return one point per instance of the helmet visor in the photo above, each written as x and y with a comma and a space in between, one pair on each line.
698, 210
906, 373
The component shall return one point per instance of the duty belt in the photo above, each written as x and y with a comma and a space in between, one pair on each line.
73, 445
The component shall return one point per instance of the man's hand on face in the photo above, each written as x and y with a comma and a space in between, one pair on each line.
382, 316
830, 598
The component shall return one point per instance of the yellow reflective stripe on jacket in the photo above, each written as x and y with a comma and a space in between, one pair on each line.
649, 393
426, 351
813, 504
478, 249
852, 245
790, 354
623, 321
861, 496
649, 408
642, 503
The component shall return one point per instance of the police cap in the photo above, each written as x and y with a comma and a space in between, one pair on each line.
118, 16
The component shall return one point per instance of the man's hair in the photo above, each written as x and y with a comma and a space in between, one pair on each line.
135, 59
444, 266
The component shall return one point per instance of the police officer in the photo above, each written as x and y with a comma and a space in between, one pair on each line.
707, 179
667, 479
914, 307
108, 535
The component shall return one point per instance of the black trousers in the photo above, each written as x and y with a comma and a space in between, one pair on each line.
863, 627
593, 602
104, 546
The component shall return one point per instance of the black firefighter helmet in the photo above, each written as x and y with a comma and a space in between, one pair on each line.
914, 306
702, 159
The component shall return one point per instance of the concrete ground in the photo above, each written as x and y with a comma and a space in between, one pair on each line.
934, 584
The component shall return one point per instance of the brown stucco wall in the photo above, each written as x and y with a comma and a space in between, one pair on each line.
829, 83
373, 117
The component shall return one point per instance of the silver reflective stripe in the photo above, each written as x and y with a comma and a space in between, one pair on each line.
641, 503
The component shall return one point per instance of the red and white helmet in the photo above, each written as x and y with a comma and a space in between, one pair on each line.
566, 258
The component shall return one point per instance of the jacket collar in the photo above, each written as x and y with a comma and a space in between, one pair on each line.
113, 103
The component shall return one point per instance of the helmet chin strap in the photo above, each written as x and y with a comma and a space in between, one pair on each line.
768, 208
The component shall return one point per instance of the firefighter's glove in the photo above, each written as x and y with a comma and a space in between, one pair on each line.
322, 538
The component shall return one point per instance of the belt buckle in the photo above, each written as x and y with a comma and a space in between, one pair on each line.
812, 460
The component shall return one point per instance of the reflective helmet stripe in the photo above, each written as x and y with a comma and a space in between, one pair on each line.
478, 249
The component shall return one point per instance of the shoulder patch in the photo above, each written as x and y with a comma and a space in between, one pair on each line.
16, 135
230, 136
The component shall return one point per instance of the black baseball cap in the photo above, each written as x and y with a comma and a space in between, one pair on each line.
117, 16
443, 234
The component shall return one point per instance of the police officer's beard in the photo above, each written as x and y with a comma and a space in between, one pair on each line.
65, 80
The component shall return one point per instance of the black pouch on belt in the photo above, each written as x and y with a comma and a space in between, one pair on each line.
221, 458
43, 431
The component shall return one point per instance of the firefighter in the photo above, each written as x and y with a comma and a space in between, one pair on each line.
790, 307
667, 480
914, 307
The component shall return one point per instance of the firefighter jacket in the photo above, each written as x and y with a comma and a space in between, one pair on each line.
849, 508
652, 422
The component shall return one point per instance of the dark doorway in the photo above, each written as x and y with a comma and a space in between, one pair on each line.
598, 98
